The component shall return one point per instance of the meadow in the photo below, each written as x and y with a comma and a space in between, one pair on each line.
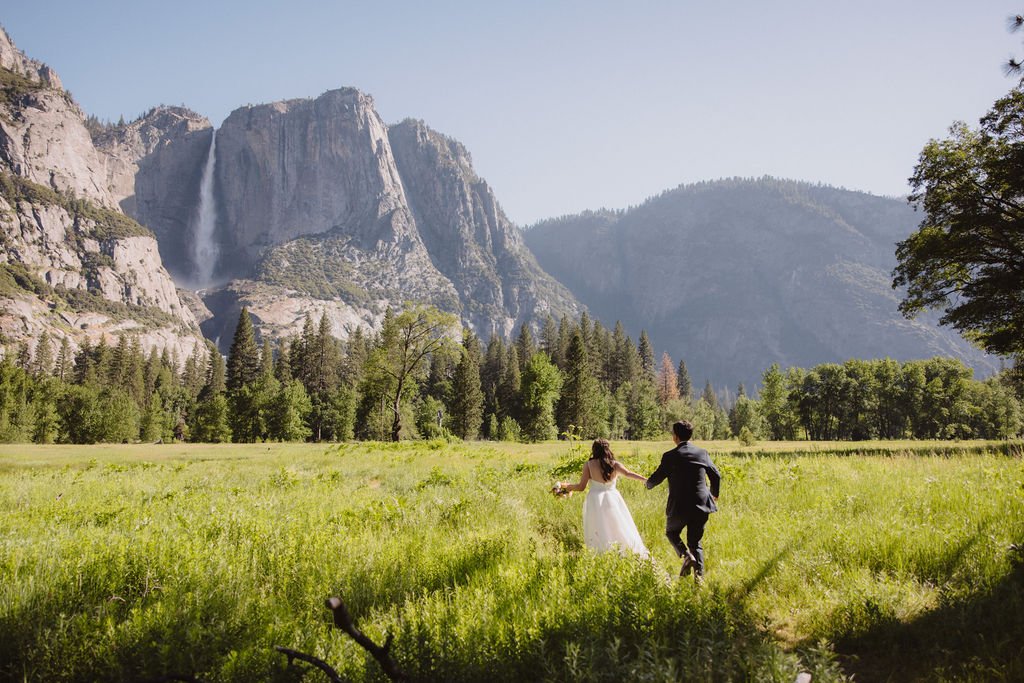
879, 561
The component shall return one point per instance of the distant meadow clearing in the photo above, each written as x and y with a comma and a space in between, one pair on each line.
900, 560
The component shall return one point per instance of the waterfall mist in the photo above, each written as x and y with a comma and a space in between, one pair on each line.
205, 250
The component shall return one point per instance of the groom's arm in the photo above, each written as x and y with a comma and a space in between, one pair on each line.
659, 474
714, 478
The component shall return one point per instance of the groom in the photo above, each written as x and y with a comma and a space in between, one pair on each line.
689, 500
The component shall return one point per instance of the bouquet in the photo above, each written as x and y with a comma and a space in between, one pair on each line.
559, 490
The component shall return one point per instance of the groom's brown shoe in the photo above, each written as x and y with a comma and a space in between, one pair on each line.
689, 562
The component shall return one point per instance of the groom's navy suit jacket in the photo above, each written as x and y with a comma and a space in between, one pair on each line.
685, 466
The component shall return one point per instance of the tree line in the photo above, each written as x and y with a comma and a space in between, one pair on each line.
416, 378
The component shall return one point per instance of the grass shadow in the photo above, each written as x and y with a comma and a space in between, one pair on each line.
768, 567
978, 637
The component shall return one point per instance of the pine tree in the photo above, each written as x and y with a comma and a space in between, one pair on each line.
83, 368
549, 336
100, 360
709, 395
579, 403
150, 371
646, 353
192, 375
324, 360
491, 371
244, 356
24, 357
441, 374
619, 372
508, 399
599, 352
288, 412
118, 366
524, 346
493, 365
133, 380
267, 358
356, 352
43, 362
65, 362
467, 397
301, 349
283, 367
683, 384
586, 331
565, 331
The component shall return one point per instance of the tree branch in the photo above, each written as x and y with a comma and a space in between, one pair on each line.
319, 663
343, 620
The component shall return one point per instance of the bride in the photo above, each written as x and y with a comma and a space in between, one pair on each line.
607, 524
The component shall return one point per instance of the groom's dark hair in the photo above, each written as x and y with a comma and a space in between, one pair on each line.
683, 430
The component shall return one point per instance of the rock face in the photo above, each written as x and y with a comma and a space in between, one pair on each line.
42, 135
305, 167
468, 236
733, 276
73, 264
319, 208
153, 167
321, 202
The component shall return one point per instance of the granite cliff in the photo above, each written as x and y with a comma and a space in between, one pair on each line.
71, 263
322, 208
153, 167
735, 275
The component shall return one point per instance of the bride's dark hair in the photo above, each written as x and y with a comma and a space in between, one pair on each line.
602, 452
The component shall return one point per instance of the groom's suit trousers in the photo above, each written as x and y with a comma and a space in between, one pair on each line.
694, 525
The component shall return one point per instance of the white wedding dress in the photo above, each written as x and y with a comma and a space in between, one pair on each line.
607, 524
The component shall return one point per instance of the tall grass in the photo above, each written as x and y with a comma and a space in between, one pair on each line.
118, 563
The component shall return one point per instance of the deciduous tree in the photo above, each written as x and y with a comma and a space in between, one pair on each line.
967, 257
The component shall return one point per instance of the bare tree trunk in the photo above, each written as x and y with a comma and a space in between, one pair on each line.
396, 426
343, 620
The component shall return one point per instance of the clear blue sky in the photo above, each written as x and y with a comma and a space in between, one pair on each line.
567, 106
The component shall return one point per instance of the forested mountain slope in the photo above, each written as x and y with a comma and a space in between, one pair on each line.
734, 275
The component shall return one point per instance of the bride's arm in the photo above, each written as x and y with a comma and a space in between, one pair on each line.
583, 480
625, 471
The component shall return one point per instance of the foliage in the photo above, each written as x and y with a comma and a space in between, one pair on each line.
210, 420
14, 86
746, 437
466, 412
967, 257
406, 344
581, 401
244, 362
90, 220
16, 277
309, 265
541, 384
313, 389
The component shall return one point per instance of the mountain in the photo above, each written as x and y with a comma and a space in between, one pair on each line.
732, 276
321, 208
72, 264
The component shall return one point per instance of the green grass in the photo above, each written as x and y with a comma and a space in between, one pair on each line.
123, 562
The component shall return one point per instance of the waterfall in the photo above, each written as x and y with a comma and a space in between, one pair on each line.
204, 249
